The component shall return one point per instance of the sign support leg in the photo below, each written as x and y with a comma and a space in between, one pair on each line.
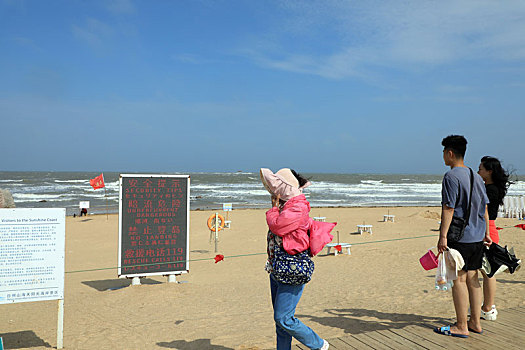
172, 278
60, 324
135, 281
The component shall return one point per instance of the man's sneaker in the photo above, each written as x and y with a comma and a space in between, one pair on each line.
490, 315
325, 345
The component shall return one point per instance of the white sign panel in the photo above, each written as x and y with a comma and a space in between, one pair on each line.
227, 206
32, 254
84, 204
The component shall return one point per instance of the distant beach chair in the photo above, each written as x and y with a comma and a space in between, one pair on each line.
522, 206
501, 211
388, 217
506, 207
364, 228
320, 218
346, 246
514, 209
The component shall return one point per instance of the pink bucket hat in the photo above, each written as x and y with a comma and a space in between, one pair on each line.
282, 183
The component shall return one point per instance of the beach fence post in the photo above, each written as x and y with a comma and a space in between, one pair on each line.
60, 324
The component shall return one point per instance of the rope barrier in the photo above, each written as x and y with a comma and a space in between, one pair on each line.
522, 226
234, 256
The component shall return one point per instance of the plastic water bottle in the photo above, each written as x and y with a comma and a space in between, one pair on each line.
444, 286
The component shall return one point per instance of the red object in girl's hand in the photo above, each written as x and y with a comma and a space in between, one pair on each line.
499, 228
338, 248
219, 257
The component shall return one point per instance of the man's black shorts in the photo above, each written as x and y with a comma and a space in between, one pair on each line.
472, 254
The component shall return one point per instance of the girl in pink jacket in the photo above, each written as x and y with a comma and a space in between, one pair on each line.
291, 229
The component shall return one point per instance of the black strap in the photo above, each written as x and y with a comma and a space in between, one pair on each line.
470, 196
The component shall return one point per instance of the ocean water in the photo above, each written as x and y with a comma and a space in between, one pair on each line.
243, 190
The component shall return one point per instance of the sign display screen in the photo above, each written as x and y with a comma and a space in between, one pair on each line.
154, 225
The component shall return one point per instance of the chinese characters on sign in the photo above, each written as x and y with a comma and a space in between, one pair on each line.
31, 254
154, 224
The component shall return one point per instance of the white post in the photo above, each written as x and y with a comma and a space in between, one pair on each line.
216, 231
60, 324
135, 281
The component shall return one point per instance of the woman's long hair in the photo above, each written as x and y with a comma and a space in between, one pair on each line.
302, 180
500, 177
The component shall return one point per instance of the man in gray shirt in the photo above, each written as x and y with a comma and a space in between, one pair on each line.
455, 201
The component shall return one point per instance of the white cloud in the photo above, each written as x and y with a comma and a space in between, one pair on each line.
121, 6
453, 89
189, 58
93, 32
363, 36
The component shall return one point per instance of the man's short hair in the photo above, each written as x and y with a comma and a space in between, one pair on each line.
457, 144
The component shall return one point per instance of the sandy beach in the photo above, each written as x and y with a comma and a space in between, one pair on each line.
227, 305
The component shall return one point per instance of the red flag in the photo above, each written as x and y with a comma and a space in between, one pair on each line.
219, 257
97, 182
338, 248
522, 226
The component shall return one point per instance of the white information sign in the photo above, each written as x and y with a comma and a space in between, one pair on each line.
83, 204
32, 254
227, 206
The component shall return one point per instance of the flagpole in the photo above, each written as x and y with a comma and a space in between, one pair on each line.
105, 195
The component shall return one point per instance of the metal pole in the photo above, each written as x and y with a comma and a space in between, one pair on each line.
106, 195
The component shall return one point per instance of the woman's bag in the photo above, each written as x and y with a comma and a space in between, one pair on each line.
497, 259
292, 269
458, 224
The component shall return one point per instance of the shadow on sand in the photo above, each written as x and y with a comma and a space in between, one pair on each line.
23, 339
114, 284
509, 281
199, 344
351, 320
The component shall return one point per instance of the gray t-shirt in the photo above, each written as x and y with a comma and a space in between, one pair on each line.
454, 194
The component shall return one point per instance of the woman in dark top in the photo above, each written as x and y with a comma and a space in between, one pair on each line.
496, 183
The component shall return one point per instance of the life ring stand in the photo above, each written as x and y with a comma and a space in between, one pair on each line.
211, 220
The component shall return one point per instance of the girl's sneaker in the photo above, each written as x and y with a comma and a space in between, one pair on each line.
490, 315
325, 345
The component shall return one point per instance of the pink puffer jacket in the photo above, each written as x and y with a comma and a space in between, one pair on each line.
292, 224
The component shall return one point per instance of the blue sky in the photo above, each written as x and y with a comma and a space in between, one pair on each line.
320, 86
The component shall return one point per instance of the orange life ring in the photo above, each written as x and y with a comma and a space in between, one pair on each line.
211, 222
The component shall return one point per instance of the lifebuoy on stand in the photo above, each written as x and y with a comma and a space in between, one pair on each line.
215, 224
212, 223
